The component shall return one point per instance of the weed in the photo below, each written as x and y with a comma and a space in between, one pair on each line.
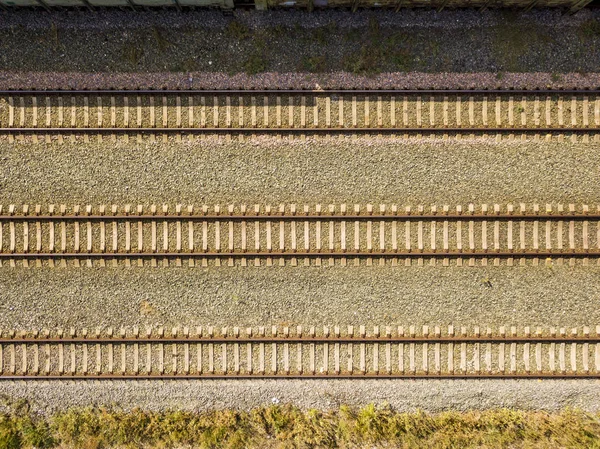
374, 28
353, 35
255, 64
36, 434
365, 62
434, 48
555, 78
162, 42
582, 72
146, 308
132, 54
237, 30
510, 43
314, 64
278, 30
402, 59
260, 41
189, 65
185, 66
499, 75
10, 436
590, 29
54, 36
320, 34
397, 39
20, 407
396, 48
370, 423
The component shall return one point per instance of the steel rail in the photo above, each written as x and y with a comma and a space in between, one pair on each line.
375, 253
298, 91
313, 217
91, 340
230, 356
306, 130
357, 375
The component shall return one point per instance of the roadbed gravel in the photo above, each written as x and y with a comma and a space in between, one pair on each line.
268, 170
410, 396
415, 49
34, 298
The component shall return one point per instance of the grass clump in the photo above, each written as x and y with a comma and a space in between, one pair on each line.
365, 62
287, 426
314, 64
237, 30
590, 29
510, 44
321, 35
513, 43
54, 36
255, 64
382, 51
161, 41
132, 54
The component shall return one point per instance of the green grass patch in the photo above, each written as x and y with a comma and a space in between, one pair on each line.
381, 49
237, 30
513, 42
314, 64
132, 54
255, 63
589, 29
289, 427
160, 40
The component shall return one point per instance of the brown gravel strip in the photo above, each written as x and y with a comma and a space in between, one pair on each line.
296, 80
428, 395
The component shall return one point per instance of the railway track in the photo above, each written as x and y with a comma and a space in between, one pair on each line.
308, 235
327, 352
152, 113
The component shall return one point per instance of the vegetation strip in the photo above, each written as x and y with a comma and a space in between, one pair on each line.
288, 426
136, 44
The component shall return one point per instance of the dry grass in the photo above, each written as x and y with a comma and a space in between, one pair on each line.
289, 427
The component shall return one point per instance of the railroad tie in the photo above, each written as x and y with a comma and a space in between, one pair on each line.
368, 112
289, 233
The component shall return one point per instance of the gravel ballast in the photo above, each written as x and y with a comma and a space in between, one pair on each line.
268, 170
297, 80
427, 395
415, 49
247, 296
272, 171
